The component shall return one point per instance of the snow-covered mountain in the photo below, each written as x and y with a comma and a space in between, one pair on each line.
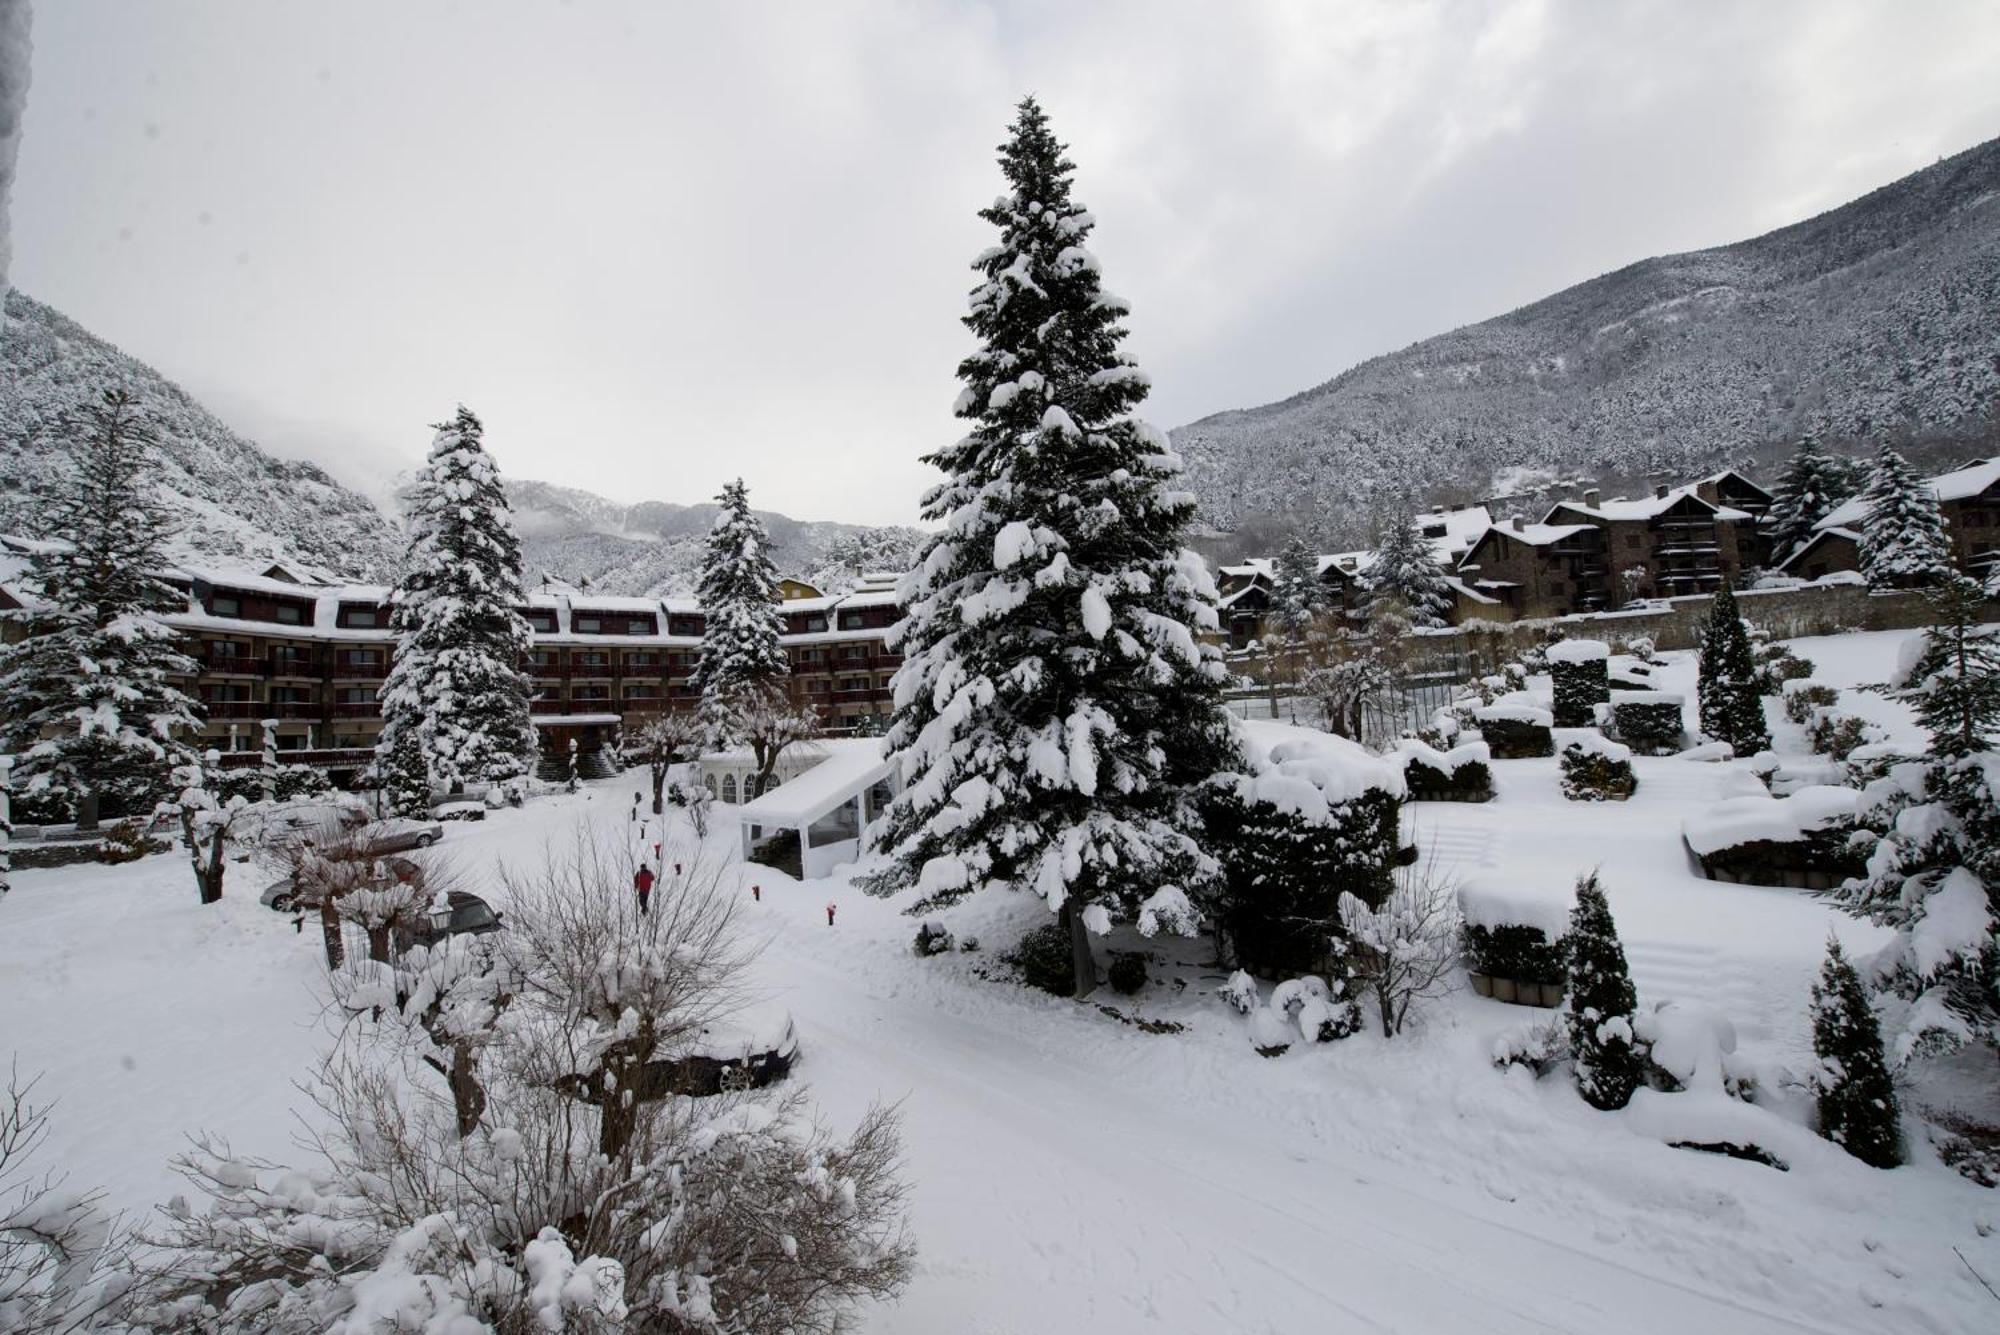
654, 547
1874, 317
235, 503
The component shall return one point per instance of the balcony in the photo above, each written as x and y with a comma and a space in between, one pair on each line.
227, 709
239, 664
294, 709
358, 709
296, 667
357, 671
544, 706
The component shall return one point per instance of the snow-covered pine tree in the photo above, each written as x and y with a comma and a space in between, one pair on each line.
1935, 874
400, 772
87, 701
1602, 1002
1297, 596
1056, 708
1405, 571
1902, 535
1732, 710
460, 638
1813, 483
1857, 1099
742, 663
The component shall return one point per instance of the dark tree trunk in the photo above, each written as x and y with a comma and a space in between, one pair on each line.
378, 943
659, 788
1083, 964
468, 1096
329, 927
208, 870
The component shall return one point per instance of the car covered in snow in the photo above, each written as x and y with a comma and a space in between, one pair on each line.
746, 1049
397, 836
462, 914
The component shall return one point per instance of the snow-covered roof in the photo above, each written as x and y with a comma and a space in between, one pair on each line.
1824, 534
1462, 528
1646, 507
1535, 535
1465, 590
851, 766
1958, 485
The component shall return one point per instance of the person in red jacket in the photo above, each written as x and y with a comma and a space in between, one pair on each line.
642, 881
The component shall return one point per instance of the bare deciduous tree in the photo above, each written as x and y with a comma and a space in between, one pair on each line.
666, 741
59, 1251
1407, 949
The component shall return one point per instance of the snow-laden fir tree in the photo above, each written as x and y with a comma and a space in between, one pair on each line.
1297, 596
1902, 535
1603, 1047
1857, 1098
457, 681
1935, 874
1813, 483
1055, 708
1727, 683
1405, 571
87, 701
742, 662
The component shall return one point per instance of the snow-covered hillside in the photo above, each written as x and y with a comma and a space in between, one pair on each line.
1876, 315
234, 503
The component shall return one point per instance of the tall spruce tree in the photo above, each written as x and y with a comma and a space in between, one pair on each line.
1604, 1050
742, 666
1405, 572
457, 683
1857, 1098
1731, 707
1297, 596
1813, 483
87, 699
1056, 707
1935, 875
1902, 535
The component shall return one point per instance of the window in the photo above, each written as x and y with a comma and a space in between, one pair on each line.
851, 621
729, 788
226, 605
588, 625
814, 623
708, 782
542, 619
290, 614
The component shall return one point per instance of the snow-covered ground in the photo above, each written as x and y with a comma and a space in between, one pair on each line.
1074, 1172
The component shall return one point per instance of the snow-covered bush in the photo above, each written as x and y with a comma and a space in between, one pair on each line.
1461, 774
1540, 1046
1320, 821
1579, 676
1127, 974
1407, 949
60, 1254
1042, 958
288, 783
1597, 770
559, 1196
1777, 666
1515, 731
1856, 1097
1648, 721
1837, 734
1513, 940
1240, 991
1806, 840
1803, 695
1604, 1048
933, 939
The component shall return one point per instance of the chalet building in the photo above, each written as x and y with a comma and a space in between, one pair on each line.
1537, 570
1730, 490
1968, 501
292, 646
1829, 551
1665, 545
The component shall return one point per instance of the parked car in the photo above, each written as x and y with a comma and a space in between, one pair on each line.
459, 811
469, 916
747, 1049
397, 836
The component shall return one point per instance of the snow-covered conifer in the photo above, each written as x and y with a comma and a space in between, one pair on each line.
400, 772
1603, 1047
1056, 706
1297, 596
1857, 1099
460, 637
1406, 572
1813, 483
1955, 684
87, 701
1902, 535
1727, 682
742, 663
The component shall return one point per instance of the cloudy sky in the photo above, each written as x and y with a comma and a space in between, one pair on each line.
658, 245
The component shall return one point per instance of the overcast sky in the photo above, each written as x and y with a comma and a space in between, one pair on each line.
656, 246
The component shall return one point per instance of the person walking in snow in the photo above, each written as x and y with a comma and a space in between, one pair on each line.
642, 881
829, 912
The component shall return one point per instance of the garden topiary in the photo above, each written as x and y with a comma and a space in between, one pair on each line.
1804, 695
1579, 675
932, 939
1127, 974
1043, 959
1648, 721
1597, 771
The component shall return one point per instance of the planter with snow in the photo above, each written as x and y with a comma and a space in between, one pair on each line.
1649, 721
1579, 671
1805, 841
1514, 940
1515, 731
1595, 769
1461, 774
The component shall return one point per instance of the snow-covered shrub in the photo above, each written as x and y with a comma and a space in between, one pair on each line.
1460, 774
1513, 940
1603, 1046
1806, 840
1837, 734
933, 939
126, 841
1803, 695
1240, 991
1407, 949
1540, 1046
1515, 731
1579, 675
1778, 666
1043, 960
1270, 1032
1127, 974
1597, 770
60, 1254
1328, 1019
536, 1186
1856, 1097
1648, 721
1318, 823
289, 782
